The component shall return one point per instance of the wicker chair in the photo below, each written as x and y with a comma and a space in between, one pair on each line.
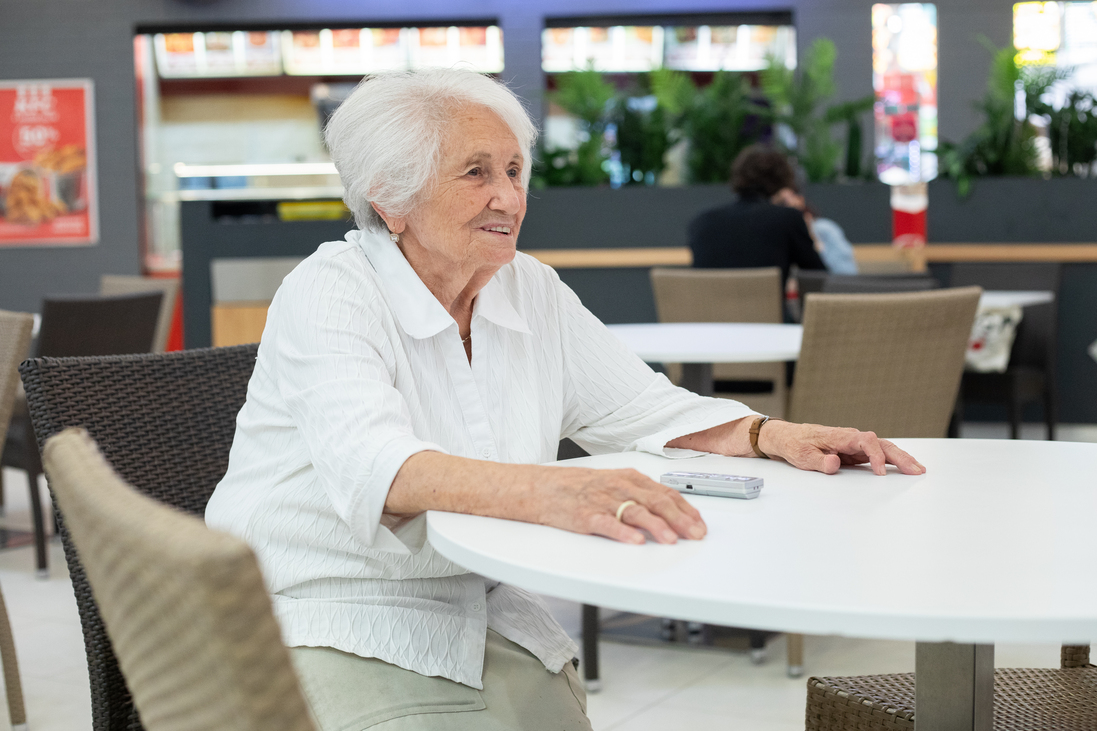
728, 295
1030, 375
888, 363
186, 608
15, 332
1025, 699
76, 326
165, 423
861, 284
116, 284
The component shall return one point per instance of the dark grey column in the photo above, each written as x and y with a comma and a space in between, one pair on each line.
953, 687
697, 377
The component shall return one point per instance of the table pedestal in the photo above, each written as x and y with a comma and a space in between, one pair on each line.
953, 687
697, 377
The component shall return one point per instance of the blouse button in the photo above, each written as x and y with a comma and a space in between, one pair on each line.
476, 606
486, 452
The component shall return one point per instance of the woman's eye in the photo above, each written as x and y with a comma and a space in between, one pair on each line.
513, 172
475, 172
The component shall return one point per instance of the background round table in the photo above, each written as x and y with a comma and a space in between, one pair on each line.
697, 345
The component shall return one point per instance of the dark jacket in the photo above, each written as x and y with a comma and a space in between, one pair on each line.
752, 232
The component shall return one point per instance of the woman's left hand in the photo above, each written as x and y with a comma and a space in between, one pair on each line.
826, 448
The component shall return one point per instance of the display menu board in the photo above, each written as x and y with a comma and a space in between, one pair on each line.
47, 163
904, 77
361, 51
217, 54
632, 48
1062, 34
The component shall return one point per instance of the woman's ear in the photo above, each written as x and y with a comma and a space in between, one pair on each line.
394, 223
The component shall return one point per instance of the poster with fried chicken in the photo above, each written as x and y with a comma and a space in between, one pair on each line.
47, 163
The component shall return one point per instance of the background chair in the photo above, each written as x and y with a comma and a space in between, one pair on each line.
116, 284
185, 607
165, 423
1030, 375
1025, 699
15, 333
888, 363
75, 326
861, 284
728, 295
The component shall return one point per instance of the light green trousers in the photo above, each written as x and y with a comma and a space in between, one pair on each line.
351, 693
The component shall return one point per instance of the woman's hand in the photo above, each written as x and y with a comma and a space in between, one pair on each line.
826, 448
578, 499
586, 501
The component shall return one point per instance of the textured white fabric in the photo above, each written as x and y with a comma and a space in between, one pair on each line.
359, 368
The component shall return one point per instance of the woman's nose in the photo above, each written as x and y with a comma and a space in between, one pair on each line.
507, 197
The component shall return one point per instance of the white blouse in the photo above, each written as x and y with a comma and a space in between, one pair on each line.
359, 368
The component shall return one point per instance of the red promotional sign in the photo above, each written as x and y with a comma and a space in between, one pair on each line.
47, 163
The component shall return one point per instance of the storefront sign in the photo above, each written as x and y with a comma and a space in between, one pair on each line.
48, 194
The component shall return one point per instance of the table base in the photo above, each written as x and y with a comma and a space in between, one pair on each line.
953, 687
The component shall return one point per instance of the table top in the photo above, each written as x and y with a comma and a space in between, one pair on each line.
711, 342
993, 544
1021, 298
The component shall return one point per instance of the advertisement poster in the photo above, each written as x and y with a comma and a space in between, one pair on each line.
48, 194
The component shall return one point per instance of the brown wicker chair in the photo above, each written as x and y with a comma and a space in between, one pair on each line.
887, 363
165, 423
1024, 699
15, 333
186, 608
728, 295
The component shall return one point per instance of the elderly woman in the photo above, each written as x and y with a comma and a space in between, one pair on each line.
422, 364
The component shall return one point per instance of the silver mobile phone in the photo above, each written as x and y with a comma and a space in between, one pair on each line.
714, 484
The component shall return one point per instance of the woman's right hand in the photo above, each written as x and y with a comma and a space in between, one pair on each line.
578, 499
586, 500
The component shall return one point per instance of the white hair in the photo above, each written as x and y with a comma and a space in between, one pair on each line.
386, 138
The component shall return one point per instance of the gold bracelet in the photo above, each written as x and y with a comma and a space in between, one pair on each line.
754, 429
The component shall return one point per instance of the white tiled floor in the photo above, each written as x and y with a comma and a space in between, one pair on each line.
643, 687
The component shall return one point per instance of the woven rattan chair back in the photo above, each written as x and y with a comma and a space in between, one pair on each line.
116, 284
726, 295
165, 423
15, 335
860, 284
95, 325
186, 608
888, 363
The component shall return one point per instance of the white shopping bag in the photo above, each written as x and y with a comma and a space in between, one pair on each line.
992, 338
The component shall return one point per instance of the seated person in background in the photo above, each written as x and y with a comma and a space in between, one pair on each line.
752, 231
422, 363
830, 239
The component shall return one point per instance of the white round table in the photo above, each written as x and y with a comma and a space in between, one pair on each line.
1020, 298
984, 547
697, 345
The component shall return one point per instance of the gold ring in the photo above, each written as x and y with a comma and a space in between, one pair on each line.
621, 509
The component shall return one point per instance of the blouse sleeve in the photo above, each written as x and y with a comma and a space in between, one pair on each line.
335, 368
614, 401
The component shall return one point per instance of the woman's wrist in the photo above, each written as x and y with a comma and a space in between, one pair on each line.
772, 437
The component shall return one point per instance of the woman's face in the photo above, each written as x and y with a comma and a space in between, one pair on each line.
476, 207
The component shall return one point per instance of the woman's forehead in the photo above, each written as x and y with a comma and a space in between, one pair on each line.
480, 133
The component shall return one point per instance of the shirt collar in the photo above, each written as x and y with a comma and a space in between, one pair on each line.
419, 313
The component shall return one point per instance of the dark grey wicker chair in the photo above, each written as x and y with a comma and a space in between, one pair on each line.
77, 326
165, 423
1025, 699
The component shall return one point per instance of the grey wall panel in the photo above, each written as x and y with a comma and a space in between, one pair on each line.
80, 38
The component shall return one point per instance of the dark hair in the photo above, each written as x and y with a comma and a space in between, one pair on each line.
760, 170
